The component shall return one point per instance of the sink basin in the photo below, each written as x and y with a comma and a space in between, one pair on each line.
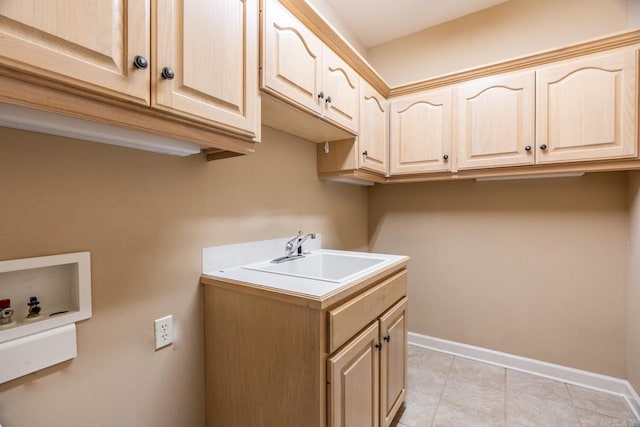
323, 266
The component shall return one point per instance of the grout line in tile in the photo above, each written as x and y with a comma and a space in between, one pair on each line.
506, 372
573, 404
444, 387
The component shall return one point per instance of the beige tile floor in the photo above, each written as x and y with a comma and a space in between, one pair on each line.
446, 390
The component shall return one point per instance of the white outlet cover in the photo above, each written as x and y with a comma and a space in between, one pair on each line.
163, 331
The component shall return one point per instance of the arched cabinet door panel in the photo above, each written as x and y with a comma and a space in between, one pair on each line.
340, 85
587, 109
494, 122
373, 135
291, 58
420, 128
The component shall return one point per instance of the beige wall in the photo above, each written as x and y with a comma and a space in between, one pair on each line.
633, 299
511, 29
536, 268
145, 218
329, 14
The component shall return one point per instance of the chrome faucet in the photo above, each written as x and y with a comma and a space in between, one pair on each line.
293, 248
295, 245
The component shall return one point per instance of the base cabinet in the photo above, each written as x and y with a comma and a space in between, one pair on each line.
274, 359
354, 374
393, 361
367, 378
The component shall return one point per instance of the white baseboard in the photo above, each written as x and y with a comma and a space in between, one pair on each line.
565, 374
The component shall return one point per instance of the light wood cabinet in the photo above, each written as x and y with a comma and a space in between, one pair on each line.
291, 58
586, 109
393, 361
373, 131
299, 69
364, 157
367, 377
87, 44
194, 62
420, 129
340, 89
353, 374
211, 48
289, 360
494, 121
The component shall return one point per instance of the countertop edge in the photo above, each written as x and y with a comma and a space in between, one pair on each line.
310, 301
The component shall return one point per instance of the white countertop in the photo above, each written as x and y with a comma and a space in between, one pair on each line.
296, 284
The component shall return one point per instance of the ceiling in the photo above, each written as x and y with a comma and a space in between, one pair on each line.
377, 21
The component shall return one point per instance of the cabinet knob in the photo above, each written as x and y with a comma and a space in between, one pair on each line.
543, 147
167, 73
365, 153
321, 95
140, 62
379, 346
445, 157
387, 338
328, 100
527, 148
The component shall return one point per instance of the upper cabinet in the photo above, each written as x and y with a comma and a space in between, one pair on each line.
494, 121
180, 69
206, 61
340, 89
373, 136
421, 133
365, 158
299, 69
87, 44
565, 112
291, 58
587, 109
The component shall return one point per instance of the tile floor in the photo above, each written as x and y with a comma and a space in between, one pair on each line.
446, 390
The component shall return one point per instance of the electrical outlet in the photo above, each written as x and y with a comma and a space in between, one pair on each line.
163, 331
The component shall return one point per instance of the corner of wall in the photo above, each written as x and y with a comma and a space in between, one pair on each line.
633, 13
633, 295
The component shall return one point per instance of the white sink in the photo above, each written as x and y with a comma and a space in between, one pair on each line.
327, 267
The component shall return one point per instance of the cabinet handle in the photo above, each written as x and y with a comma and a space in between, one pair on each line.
543, 147
527, 148
445, 157
321, 95
365, 153
167, 73
387, 338
379, 346
328, 100
140, 62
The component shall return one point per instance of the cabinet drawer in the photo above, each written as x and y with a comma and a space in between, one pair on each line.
349, 318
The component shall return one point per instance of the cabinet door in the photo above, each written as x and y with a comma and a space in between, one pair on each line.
587, 109
291, 58
212, 48
421, 133
393, 361
87, 44
373, 131
353, 382
340, 87
494, 122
